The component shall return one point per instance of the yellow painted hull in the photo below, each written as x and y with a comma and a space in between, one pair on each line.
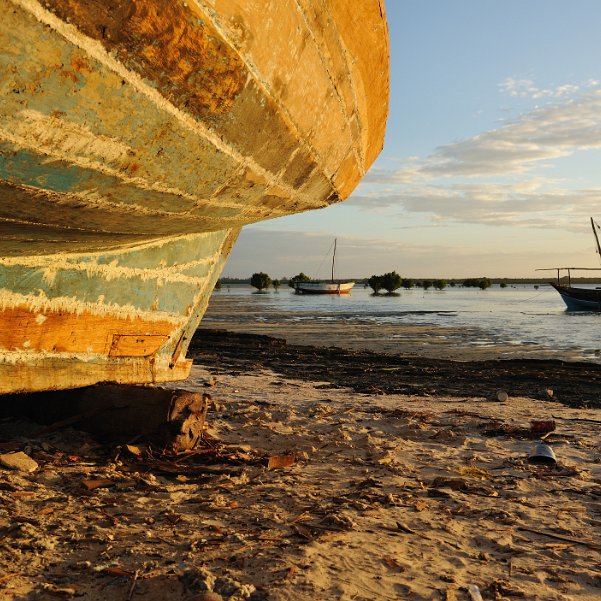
137, 137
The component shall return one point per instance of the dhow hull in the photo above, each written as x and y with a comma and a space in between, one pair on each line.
137, 137
324, 288
579, 299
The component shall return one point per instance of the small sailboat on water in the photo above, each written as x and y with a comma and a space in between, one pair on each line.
576, 298
331, 287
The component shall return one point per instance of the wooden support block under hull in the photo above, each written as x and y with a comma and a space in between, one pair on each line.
171, 419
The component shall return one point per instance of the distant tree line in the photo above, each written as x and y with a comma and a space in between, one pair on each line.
390, 282
482, 283
438, 284
393, 281
502, 282
261, 281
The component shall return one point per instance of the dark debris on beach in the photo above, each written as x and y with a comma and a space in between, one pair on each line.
576, 384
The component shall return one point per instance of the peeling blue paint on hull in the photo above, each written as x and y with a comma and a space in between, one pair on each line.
136, 138
117, 316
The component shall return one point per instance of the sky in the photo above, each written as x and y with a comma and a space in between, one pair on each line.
492, 159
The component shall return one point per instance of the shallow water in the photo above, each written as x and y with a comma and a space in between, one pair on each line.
518, 316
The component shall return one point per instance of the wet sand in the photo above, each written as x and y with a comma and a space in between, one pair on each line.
571, 383
388, 358
236, 313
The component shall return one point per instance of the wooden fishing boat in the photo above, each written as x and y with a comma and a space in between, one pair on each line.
331, 287
578, 298
137, 137
324, 287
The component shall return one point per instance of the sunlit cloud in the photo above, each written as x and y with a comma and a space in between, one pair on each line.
544, 134
533, 140
532, 204
405, 175
504, 176
491, 154
525, 88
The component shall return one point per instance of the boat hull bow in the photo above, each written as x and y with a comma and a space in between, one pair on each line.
137, 137
579, 299
324, 288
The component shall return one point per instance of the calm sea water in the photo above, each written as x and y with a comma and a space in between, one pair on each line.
517, 315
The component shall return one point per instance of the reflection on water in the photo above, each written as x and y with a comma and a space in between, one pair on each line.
520, 315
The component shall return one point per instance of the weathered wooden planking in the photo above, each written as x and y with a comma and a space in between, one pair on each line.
64, 332
137, 137
136, 345
58, 372
58, 342
286, 113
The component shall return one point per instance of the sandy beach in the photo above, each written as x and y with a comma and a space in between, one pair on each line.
312, 490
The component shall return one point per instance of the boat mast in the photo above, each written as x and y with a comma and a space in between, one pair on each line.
596, 237
333, 260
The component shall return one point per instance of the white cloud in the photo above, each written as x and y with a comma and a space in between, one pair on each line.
496, 177
406, 174
490, 154
532, 140
533, 203
546, 133
525, 88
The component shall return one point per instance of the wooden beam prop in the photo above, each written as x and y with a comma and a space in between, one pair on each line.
117, 414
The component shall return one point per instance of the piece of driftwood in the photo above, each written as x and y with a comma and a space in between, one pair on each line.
173, 419
568, 539
578, 419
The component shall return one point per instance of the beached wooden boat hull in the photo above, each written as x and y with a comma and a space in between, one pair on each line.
137, 137
323, 288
